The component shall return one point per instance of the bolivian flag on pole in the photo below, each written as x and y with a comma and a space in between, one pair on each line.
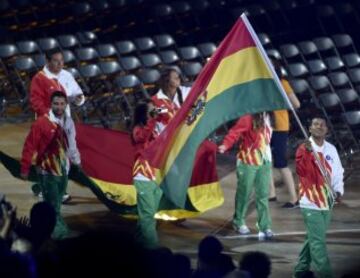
237, 80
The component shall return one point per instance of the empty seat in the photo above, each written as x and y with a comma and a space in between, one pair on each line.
25, 64
110, 67
149, 76
90, 71
169, 57
207, 49
125, 47
8, 50
130, 63
354, 75
291, 53
309, 49
164, 41
320, 83
264, 40
106, 50
340, 80
274, 53
298, 70
68, 41
86, 54
188, 53
317, 66
334, 63
74, 72
330, 101
150, 60
69, 57
145, 44
130, 84
191, 70
349, 98
352, 60
352, 118
326, 46
39, 60
47, 44
344, 43
87, 38
28, 47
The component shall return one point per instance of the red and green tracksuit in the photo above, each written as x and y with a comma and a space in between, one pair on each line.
253, 169
148, 193
316, 204
53, 142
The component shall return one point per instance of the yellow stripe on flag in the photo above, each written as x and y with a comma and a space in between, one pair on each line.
247, 63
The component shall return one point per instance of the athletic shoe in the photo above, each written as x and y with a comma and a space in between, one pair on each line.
266, 235
242, 230
290, 205
66, 198
273, 199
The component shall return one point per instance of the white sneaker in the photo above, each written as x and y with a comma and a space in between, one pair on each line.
66, 198
266, 235
242, 230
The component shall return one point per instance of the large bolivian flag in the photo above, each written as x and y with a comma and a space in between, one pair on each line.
237, 80
107, 160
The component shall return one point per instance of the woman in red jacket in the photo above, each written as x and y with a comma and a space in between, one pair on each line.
253, 170
148, 192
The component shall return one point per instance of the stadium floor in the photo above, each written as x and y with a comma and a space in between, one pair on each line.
86, 212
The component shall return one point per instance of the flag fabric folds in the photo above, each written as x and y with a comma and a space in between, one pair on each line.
107, 160
236, 81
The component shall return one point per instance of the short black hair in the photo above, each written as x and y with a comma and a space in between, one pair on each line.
318, 115
257, 263
58, 94
51, 52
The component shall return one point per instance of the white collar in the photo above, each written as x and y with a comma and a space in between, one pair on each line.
49, 74
55, 119
160, 95
316, 147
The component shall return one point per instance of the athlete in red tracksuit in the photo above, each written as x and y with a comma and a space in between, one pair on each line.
148, 192
52, 140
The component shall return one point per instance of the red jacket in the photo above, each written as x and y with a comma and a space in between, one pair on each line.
253, 143
49, 141
167, 104
41, 89
142, 137
312, 183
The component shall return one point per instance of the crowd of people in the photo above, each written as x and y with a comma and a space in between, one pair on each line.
259, 137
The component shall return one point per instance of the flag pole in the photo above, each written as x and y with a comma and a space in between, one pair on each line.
278, 83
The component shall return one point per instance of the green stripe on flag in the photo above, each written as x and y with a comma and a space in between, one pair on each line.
246, 98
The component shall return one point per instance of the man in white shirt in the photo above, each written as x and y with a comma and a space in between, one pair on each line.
50, 79
319, 188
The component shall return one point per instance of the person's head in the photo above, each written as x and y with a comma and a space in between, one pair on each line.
142, 112
42, 219
256, 263
58, 103
169, 80
209, 251
318, 127
54, 60
258, 120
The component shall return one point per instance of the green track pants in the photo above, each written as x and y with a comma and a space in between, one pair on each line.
314, 249
250, 176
